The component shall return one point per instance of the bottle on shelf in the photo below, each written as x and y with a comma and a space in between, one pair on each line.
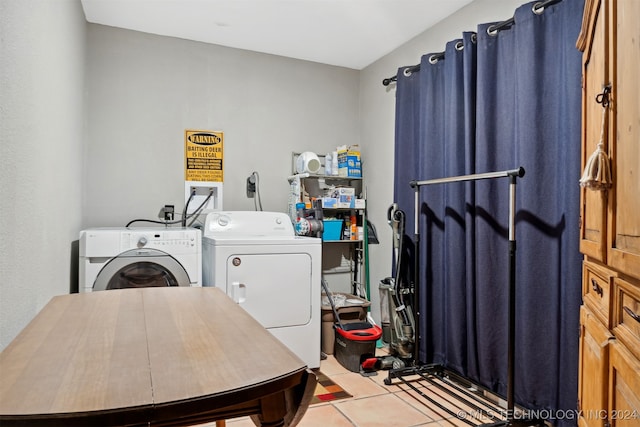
354, 227
347, 229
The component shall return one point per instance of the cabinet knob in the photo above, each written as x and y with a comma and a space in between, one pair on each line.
597, 288
633, 315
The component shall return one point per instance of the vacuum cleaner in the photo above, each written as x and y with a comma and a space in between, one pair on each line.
396, 297
398, 292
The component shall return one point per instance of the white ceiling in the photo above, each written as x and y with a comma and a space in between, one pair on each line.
347, 33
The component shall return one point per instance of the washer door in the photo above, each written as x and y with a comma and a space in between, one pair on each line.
141, 268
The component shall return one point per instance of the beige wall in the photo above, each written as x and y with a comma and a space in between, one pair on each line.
41, 142
143, 91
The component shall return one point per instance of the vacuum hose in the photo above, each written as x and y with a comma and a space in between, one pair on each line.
396, 216
400, 217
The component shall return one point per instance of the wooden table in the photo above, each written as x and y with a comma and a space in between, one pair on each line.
149, 356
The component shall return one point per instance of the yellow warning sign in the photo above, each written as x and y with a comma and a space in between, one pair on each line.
203, 155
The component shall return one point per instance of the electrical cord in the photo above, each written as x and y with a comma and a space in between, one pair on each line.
186, 205
195, 213
166, 223
257, 201
185, 217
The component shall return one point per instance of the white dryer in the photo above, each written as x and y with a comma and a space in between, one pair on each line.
273, 274
115, 258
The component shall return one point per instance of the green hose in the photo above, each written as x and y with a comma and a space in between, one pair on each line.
365, 226
366, 258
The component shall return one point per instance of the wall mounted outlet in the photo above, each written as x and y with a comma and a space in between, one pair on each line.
251, 186
202, 190
166, 212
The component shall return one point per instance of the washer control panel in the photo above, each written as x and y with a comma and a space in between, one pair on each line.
163, 240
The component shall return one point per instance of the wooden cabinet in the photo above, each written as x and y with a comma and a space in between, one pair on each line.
609, 377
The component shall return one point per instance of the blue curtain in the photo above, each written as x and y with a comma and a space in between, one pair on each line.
496, 102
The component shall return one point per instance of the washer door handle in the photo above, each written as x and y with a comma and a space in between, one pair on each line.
238, 292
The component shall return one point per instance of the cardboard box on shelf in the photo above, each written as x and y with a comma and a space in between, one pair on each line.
349, 162
345, 202
345, 191
345, 197
329, 202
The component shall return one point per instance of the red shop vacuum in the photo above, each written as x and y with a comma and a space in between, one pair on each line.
355, 342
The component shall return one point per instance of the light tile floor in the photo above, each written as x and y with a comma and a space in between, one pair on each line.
373, 404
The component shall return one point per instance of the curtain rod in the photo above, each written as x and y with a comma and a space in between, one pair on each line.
537, 8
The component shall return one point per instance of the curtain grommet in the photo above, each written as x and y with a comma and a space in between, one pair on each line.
492, 31
459, 45
538, 8
407, 72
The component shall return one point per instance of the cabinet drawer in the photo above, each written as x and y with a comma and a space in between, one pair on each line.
596, 285
626, 316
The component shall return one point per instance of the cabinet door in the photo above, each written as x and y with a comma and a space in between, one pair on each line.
594, 365
593, 43
624, 388
624, 221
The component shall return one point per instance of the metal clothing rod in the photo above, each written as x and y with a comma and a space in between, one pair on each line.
473, 177
512, 174
492, 30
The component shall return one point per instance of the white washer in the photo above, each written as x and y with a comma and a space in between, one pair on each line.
114, 258
270, 272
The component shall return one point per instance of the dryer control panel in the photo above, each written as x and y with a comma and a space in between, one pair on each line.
248, 223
